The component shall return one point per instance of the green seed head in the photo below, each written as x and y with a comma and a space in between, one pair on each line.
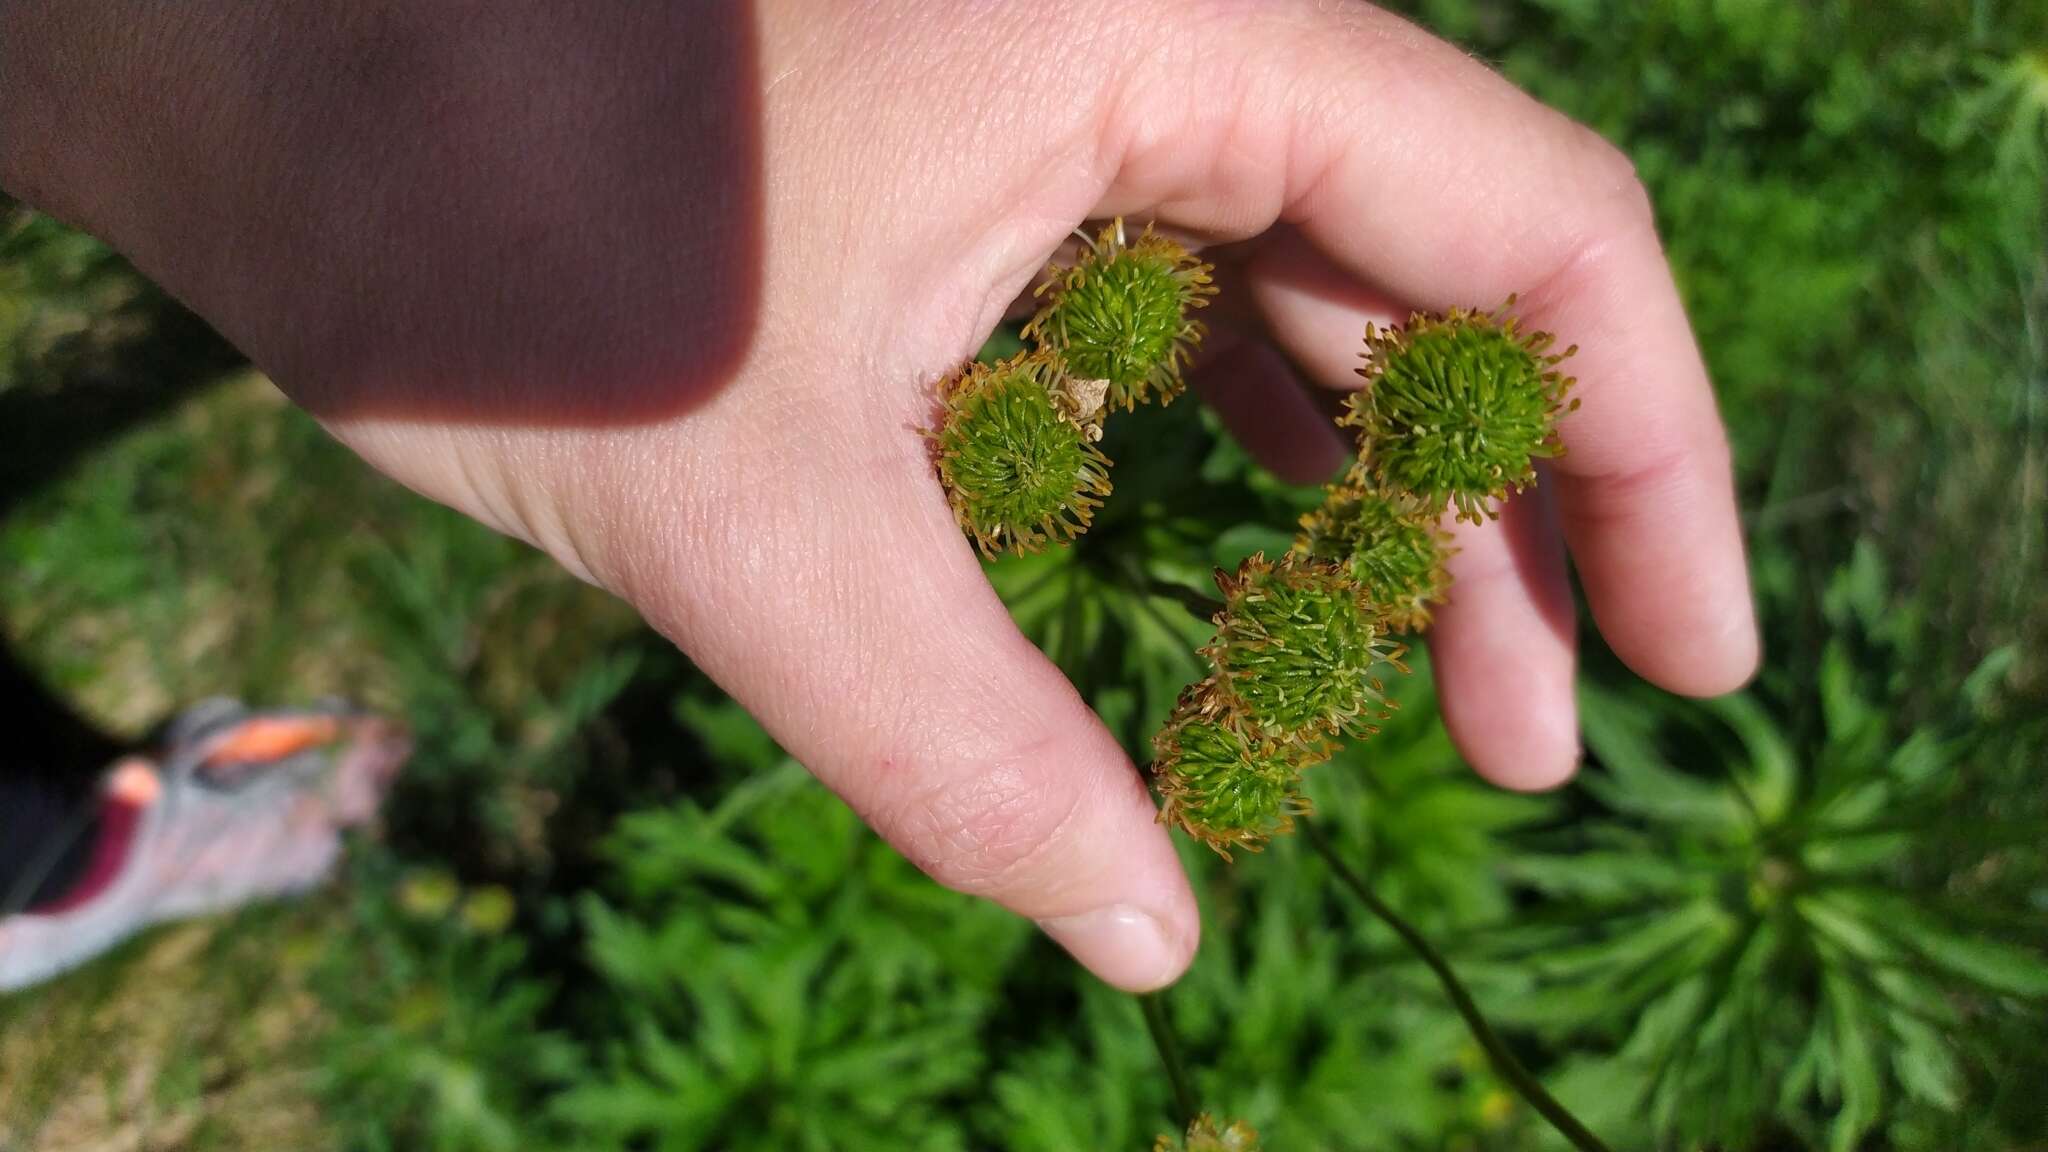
1018, 469
1205, 1136
1299, 649
1458, 407
1222, 781
1392, 548
1120, 315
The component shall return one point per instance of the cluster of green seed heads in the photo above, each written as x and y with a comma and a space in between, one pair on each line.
1204, 1136
1458, 408
1456, 411
1015, 441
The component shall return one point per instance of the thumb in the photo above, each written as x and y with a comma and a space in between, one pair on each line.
847, 613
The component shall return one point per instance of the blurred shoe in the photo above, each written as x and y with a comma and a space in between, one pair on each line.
240, 806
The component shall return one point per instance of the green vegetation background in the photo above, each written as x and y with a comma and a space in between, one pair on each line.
605, 911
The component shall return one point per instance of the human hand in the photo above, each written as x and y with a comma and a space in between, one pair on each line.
664, 290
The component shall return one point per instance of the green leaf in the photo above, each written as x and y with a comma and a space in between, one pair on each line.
1992, 964
1861, 1084
1858, 592
1981, 688
1923, 1063
1770, 777
1238, 543
1666, 1022
1637, 779
730, 734
1602, 876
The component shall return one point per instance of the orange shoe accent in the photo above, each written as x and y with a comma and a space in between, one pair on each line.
134, 782
263, 739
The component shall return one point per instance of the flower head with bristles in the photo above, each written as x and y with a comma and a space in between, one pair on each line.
1019, 466
1299, 648
1458, 408
1120, 315
1204, 1136
1392, 548
1222, 780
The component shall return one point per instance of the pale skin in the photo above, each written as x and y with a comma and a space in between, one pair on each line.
664, 291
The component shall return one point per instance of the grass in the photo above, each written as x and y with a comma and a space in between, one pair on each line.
190, 1038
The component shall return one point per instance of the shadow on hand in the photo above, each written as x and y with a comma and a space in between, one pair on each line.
528, 214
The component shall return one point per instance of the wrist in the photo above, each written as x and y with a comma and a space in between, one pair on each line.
110, 111
63, 68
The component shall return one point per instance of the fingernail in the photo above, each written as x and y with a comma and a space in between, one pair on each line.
1123, 945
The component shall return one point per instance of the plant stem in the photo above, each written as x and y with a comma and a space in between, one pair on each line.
1201, 605
1504, 1061
1154, 1005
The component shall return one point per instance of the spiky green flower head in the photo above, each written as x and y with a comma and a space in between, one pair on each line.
1300, 648
1224, 782
1392, 548
1459, 407
1205, 1136
1120, 315
1018, 467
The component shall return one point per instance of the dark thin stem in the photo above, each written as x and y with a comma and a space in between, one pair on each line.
1202, 605
1154, 1004
1504, 1061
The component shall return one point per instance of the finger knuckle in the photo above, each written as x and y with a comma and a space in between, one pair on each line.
1665, 467
1614, 183
984, 827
